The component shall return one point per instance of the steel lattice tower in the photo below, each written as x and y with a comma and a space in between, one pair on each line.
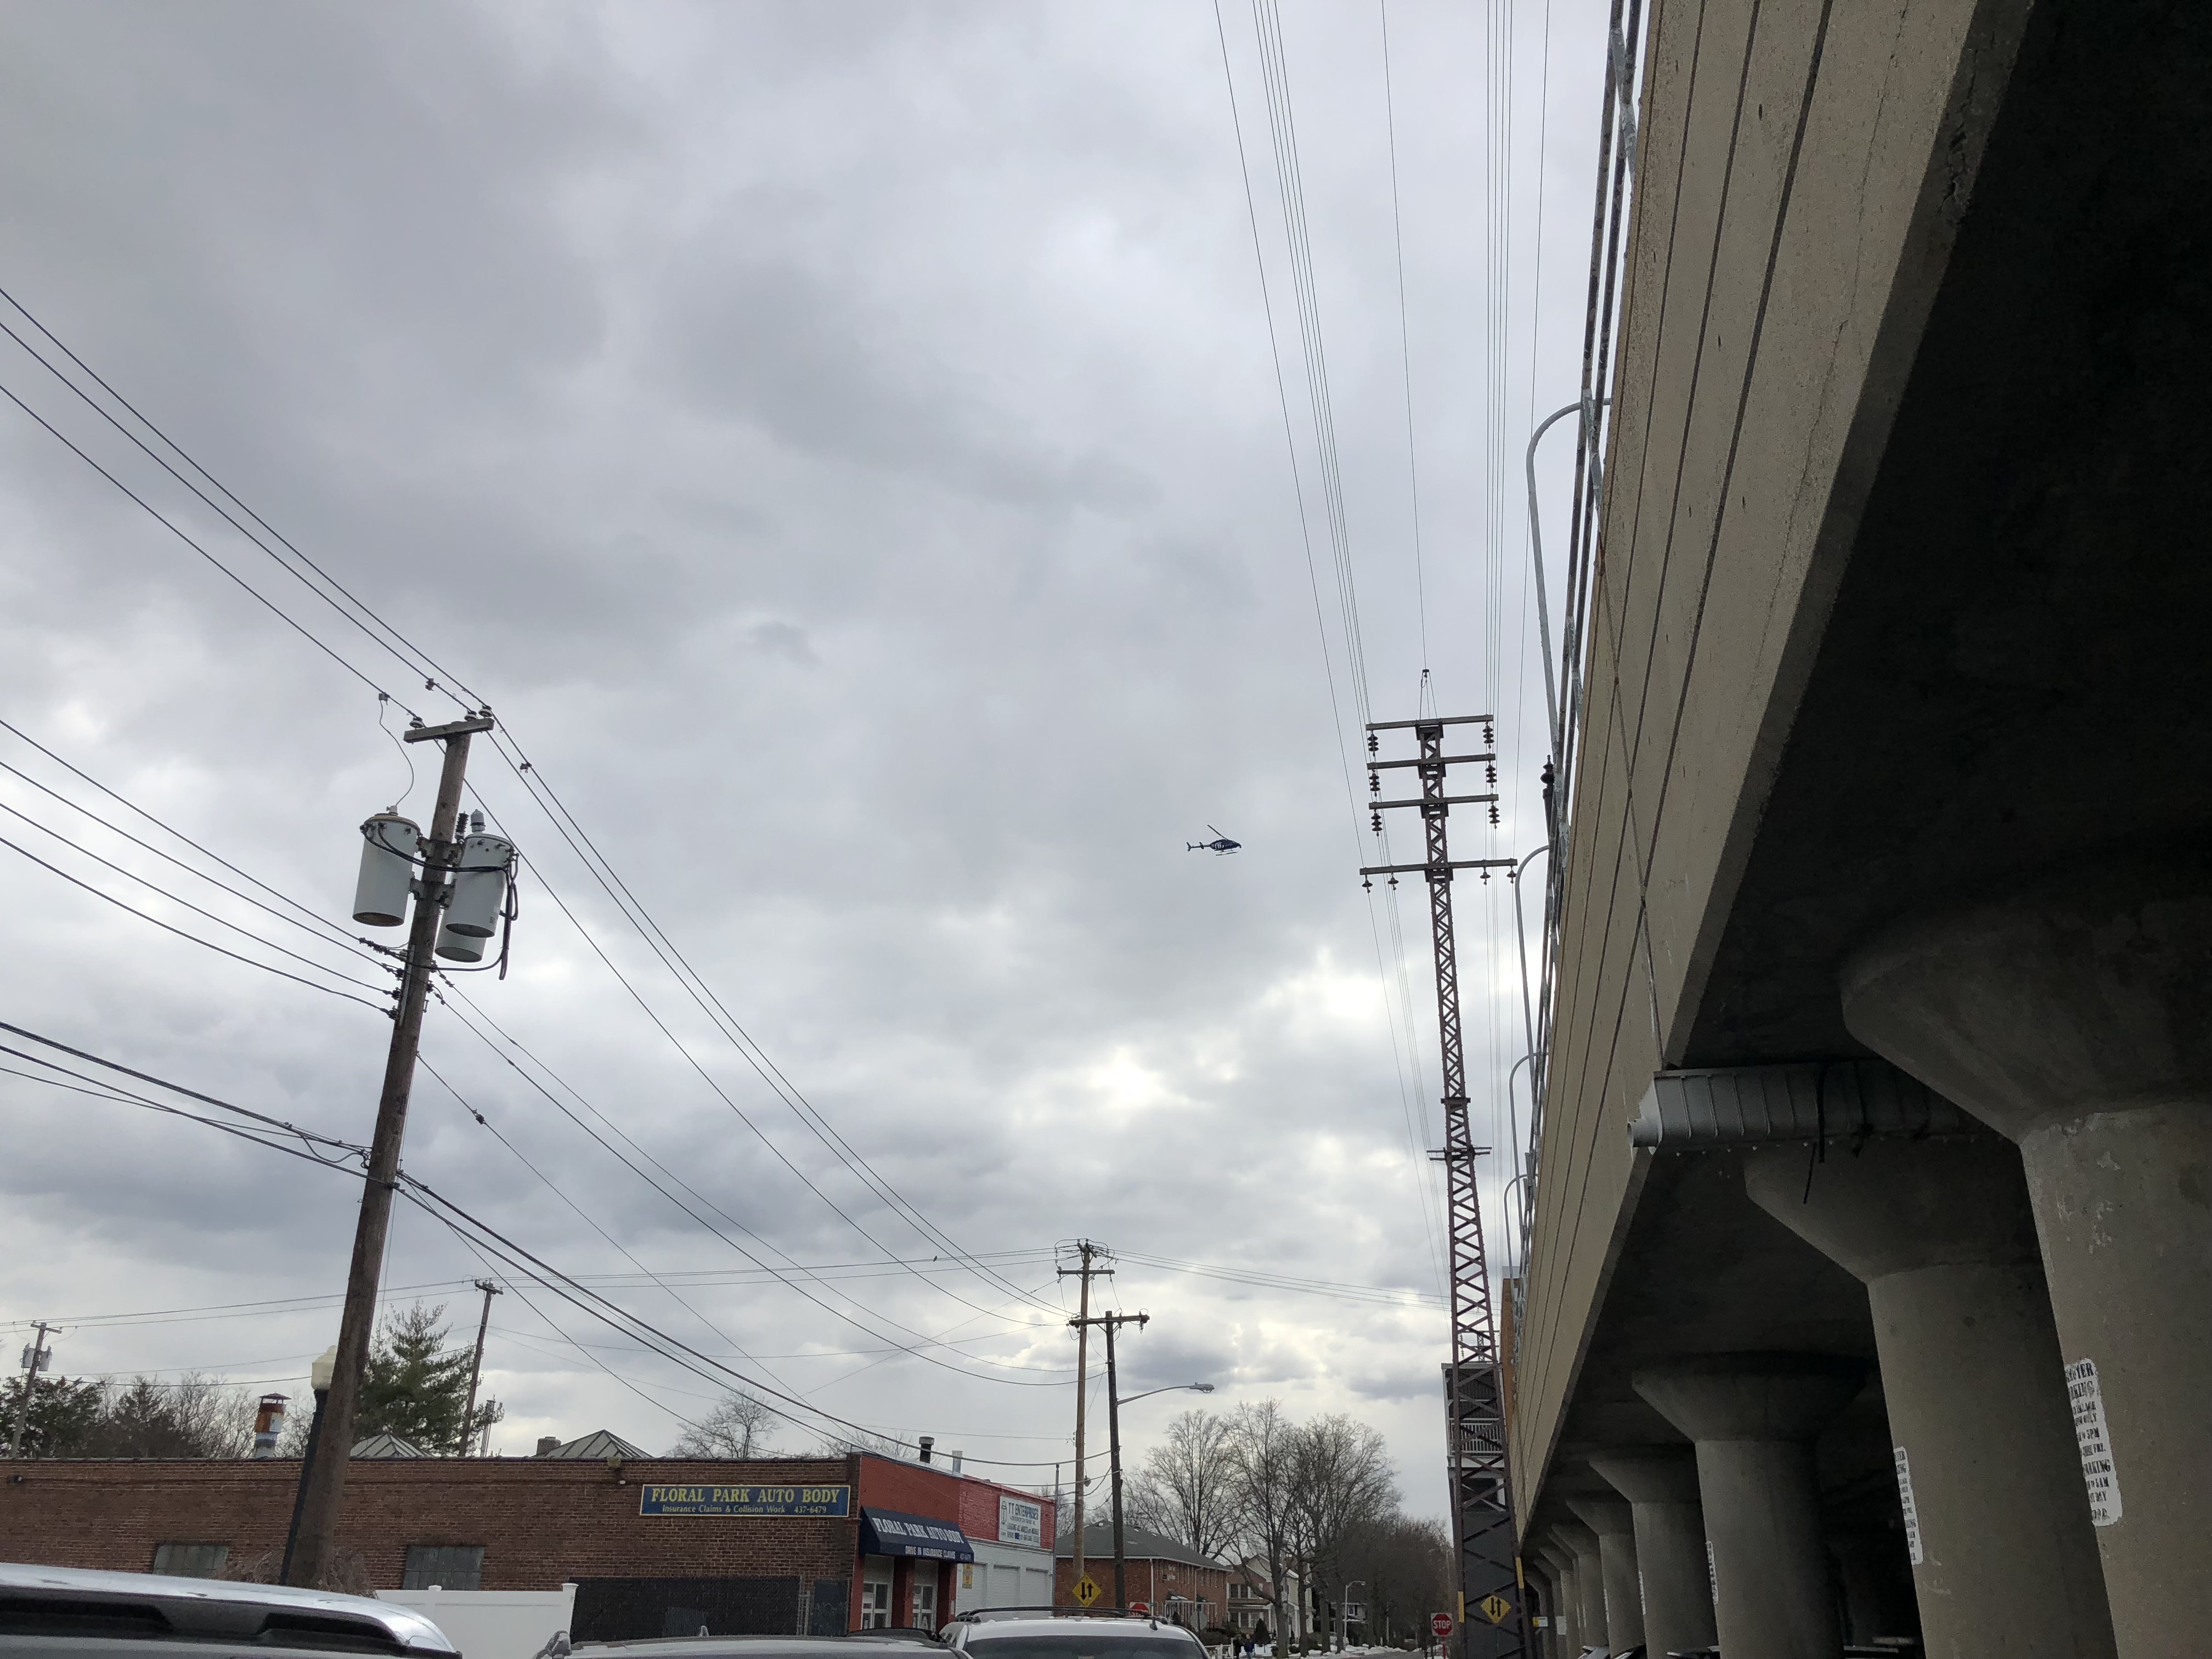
1493, 1619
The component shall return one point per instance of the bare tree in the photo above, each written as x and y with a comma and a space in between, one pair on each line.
194, 1416
861, 1440
1405, 1562
1187, 1488
1263, 1446
1342, 1479
740, 1425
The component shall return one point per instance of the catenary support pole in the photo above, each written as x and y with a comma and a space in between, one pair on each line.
314, 1558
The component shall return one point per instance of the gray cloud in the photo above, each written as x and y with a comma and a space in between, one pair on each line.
841, 444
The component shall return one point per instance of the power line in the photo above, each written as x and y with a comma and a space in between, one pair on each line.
835, 1312
206, 944
1426, 1198
413, 657
196, 910
464, 1226
695, 986
326, 932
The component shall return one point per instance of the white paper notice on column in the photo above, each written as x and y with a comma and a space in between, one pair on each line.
2095, 1440
1912, 1511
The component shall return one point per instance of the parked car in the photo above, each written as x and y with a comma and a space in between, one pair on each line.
1048, 1633
73, 1612
703, 1646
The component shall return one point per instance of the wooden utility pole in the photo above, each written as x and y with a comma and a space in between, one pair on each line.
475, 1366
325, 1480
33, 1356
1088, 1271
1114, 1446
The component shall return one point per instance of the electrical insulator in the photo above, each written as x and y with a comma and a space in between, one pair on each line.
1374, 783
388, 845
1374, 743
1375, 818
1489, 738
1491, 773
479, 884
1493, 815
1368, 882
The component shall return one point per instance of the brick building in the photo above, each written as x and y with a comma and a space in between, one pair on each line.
654, 1546
1169, 1579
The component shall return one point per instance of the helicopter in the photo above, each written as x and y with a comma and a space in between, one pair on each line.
1220, 844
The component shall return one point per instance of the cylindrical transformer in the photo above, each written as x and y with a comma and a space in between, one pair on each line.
388, 845
479, 884
460, 947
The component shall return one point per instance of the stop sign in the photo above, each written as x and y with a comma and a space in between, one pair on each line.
1139, 1608
1441, 1623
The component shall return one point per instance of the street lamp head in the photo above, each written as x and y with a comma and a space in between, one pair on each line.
1201, 1388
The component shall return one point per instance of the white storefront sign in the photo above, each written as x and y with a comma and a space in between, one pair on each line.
1021, 1523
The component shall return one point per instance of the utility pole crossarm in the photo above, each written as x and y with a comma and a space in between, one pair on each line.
461, 728
1448, 864
1423, 800
1426, 761
1436, 721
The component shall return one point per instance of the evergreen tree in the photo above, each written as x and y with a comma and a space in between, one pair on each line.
63, 1415
417, 1387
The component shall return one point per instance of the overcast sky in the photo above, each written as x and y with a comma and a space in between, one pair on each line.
842, 443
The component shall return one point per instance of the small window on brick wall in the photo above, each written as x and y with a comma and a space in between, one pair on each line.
190, 1560
449, 1566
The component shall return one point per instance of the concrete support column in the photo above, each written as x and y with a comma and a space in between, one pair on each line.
1661, 1485
1547, 1604
1611, 1519
1565, 1626
1590, 1628
2073, 1017
2004, 1556
1753, 1417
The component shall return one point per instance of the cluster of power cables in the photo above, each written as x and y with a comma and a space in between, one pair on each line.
1338, 622
309, 960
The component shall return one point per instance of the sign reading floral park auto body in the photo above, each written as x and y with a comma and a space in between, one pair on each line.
832, 1502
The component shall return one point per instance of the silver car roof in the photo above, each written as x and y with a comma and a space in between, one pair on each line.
1112, 1626
181, 1599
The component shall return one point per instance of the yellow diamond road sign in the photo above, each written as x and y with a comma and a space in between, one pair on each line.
1086, 1590
1495, 1608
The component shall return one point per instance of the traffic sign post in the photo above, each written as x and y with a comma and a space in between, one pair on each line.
1086, 1590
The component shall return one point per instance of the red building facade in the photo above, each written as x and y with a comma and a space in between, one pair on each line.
769, 1546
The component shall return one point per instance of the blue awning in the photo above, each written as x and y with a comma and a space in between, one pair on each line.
887, 1532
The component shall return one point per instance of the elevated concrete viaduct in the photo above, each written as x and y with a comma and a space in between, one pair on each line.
1870, 1286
